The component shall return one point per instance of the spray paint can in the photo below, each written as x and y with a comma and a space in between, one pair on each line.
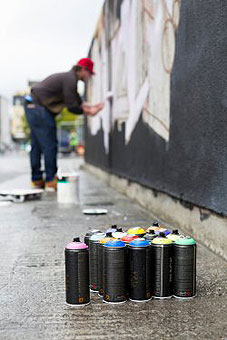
184, 268
174, 235
112, 229
155, 226
162, 230
100, 261
128, 238
136, 231
89, 234
93, 260
114, 272
139, 256
119, 233
161, 254
150, 235
77, 273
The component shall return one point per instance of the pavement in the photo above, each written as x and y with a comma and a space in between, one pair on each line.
32, 293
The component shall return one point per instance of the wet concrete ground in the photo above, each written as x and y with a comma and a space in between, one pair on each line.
32, 295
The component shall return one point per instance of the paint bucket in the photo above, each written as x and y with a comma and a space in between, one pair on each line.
68, 188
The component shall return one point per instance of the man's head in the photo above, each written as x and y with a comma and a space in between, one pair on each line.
84, 69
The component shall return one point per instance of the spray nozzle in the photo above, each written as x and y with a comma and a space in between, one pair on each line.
109, 234
155, 224
76, 239
175, 232
162, 234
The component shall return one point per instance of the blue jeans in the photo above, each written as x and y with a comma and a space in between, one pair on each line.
43, 141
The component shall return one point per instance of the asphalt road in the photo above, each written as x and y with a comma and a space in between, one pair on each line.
32, 293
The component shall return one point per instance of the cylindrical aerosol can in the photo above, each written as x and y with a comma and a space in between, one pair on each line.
136, 231
77, 274
89, 234
128, 238
161, 254
119, 234
139, 258
114, 272
162, 230
93, 260
184, 268
155, 226
100, 261
112, 229
150, 235
174, 235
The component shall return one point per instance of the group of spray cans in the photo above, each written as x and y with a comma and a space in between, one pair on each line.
135, 265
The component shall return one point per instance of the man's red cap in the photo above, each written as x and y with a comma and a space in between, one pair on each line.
88, 63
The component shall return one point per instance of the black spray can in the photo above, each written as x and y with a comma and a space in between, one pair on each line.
114, 272
100, 260
161, 254
184, 268
94, 260
89, 234
77, 273
139, 259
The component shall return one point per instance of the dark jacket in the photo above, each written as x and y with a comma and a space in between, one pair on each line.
58, 91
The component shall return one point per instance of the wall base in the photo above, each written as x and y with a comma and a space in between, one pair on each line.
204, 225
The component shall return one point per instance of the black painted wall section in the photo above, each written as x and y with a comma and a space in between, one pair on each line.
193, 165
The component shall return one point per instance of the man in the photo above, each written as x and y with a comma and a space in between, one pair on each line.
47, 99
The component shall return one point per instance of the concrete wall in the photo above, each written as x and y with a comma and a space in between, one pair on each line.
165, 129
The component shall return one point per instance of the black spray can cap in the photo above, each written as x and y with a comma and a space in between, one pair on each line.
109, 234
156, 224
119, 229
151, 232
76, 239
175, 232
162, 234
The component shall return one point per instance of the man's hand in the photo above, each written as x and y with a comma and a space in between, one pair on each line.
91, 110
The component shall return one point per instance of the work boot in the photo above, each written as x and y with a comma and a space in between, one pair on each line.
51, 186
39, 184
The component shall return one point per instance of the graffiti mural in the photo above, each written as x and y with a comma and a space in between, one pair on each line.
134, 54
165, 64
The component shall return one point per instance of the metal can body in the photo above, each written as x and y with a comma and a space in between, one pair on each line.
100, 263
94, 260
184, 270
139, 259
77, 276
114, 272
161, 255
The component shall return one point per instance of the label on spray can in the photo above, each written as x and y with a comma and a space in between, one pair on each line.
184, 267
114, 272
139, 270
